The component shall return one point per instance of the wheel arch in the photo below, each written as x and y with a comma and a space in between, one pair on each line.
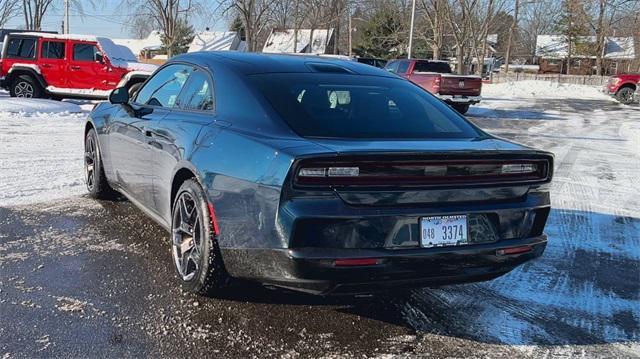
627, 84
184, 173
18, 70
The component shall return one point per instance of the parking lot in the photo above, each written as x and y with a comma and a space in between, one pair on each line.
80, 277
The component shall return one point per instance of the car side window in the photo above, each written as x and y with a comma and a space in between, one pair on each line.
392, 66
163, 88
403, 67
198, 93
22, 48
52, 50
86, 52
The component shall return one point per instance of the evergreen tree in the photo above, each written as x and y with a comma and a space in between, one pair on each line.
184, 35
382, 36
238, 26
572, 24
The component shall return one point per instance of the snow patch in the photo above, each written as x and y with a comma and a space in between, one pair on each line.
36, 106
541, 89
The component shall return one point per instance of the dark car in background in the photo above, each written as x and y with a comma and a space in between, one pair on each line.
380, 63
317, 175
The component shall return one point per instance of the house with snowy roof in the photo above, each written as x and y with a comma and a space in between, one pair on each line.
142, 48
217, 41
309, 41
552, 53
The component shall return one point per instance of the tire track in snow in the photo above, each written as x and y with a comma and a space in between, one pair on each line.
584, 290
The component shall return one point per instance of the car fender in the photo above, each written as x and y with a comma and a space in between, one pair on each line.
31, 69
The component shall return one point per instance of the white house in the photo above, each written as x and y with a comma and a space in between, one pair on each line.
137, 46
217, 41
282, 41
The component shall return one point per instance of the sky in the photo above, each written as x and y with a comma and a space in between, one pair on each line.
108, 18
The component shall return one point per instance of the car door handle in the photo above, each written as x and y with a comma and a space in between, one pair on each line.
148, 133
75, 67
46, 65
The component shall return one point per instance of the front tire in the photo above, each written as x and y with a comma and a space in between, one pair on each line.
462, 109
95, 179
194, 245
24, 86
625, 95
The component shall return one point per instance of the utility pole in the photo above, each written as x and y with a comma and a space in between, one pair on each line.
350, 38
413, 16
514, 27
66, 16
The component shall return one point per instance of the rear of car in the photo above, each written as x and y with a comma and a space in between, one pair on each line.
460, 91
395, 189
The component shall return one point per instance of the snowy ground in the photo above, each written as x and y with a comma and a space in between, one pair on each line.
581, 299
41, 150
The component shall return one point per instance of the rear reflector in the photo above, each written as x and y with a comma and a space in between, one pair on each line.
352, 262
519, 168
513, 250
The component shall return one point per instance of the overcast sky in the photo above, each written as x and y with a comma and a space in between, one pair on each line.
107, 19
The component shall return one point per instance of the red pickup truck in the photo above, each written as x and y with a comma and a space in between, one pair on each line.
622, 87
459, 91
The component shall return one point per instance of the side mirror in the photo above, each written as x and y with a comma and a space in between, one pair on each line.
99, 57
119, 96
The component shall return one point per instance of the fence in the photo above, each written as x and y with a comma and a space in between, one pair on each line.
565, 79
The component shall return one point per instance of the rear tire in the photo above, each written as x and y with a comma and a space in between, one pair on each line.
462, 109
94, 177
25, 86
625, 95
194, 246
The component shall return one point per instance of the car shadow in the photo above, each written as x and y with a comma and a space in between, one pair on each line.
583, 290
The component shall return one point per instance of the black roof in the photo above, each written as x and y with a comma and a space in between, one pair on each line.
256, 63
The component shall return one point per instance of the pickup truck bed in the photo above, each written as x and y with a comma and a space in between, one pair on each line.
460, 91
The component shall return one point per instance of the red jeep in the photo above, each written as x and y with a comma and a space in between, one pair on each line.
622, 87
35, 64
435, 76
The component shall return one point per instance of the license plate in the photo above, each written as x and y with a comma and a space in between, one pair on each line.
441, 231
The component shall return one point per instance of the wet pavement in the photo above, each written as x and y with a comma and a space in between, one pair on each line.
86, 278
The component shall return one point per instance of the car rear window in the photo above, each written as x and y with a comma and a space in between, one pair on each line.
360, 107
432, 66
23, 48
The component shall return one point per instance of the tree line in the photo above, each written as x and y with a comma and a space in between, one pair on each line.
443, 29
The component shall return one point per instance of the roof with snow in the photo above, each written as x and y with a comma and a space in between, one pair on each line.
555, 46
282, 41
217, 41
152, 42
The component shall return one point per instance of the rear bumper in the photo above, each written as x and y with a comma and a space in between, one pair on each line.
313, 270
460, 99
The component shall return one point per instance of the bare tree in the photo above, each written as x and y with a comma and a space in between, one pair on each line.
537, 18
8, 10
34, 11
605, 14
169, 15
434, 14
459, 16
256, 15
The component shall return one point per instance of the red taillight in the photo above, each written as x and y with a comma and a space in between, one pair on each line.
353, 262
436, 84
427, 172
513, 250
